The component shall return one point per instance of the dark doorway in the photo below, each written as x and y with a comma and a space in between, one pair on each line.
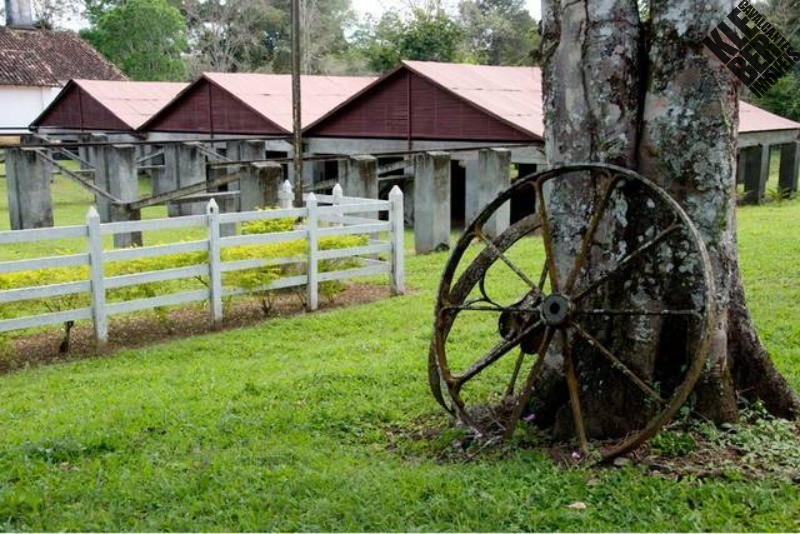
458, 193
523, 203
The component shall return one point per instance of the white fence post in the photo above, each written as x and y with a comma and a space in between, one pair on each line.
312, 286
398, 241
98, 290
285, 196
337, 200
214, 264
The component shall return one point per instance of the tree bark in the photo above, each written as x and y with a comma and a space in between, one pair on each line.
656, 102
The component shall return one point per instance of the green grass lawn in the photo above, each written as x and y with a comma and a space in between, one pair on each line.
301, 424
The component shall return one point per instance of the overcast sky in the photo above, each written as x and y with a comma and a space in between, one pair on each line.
376, 7
372, 7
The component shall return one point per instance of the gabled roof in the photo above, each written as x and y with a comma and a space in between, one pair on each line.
267, 96
107, 105
506, 99
512, 94
271, 94
49, 58
754, 119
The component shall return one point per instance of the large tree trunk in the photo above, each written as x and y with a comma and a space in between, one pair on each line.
654, 102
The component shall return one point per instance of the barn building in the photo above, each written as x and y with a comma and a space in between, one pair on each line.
439, 106
442, 106
110, 107
762, 133
220, 104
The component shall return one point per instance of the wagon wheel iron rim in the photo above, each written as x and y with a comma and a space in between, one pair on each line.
541, 317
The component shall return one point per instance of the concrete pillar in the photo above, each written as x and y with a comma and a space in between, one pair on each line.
239, 151
432, 202
102, 179
85, 152
360, 177
30, 203
227, 204
169, 178
251, 193
260, 185
31, 182
191, 170
124, 185
156, 175
13, 156
490, 176
755, 184
789, 169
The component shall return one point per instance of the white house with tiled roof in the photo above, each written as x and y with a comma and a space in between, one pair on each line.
35, 64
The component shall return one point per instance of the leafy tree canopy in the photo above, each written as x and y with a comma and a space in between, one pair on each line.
498, 32
145, 38
783, 98
424, 35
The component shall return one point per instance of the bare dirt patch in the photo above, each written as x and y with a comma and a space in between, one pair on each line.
146, 328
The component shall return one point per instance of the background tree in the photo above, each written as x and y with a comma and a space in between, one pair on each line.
498, 32
253, 35
323, 24
784, 97
654, 101
234, 35
144, 38
424, 34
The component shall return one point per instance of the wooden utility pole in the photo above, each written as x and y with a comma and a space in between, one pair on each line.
298, 128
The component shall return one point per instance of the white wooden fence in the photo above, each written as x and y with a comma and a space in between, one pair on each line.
325, 215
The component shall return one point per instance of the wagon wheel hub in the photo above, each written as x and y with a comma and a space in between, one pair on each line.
556, 310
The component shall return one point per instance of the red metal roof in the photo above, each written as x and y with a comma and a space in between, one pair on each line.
252, 103
754, 119
107, 105
271, 94
431, 100
512, 95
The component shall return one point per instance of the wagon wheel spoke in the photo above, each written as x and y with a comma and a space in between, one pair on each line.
513, 382
543, 277
586, 245
489, 244
473, 307
496, 352
625, 262
547, 237
527, 389
616, 363
574, 394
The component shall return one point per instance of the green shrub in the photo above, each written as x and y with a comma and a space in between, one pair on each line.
269, 226
252, 280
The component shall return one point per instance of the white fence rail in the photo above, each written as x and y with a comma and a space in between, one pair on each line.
324, 216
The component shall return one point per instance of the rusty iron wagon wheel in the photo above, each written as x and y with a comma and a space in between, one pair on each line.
509, 302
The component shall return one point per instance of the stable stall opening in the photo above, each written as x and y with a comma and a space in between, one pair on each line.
458, 194
523, 203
